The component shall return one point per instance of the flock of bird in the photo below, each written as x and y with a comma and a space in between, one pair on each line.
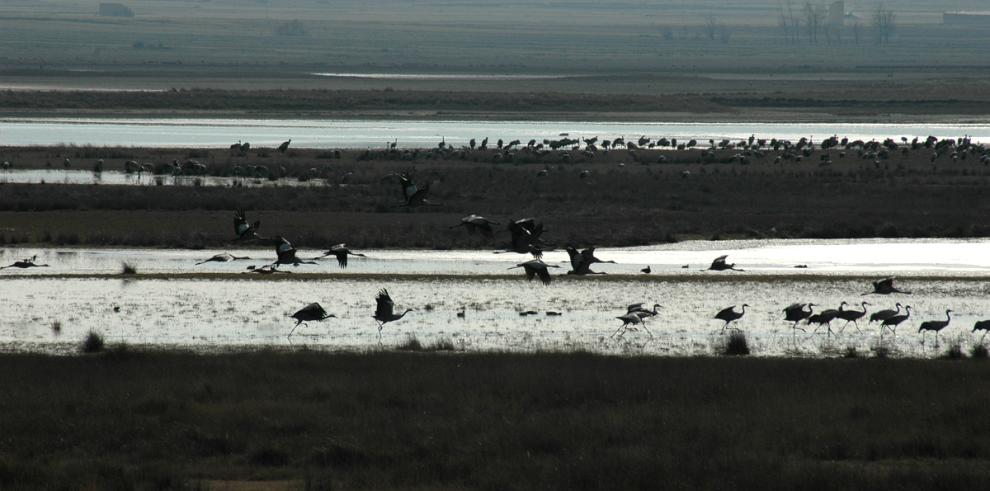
526, 234
565, 149
888, 319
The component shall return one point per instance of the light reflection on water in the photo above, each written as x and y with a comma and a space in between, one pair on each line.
357, 133
822, 257
114, 178
213, 313
207, 314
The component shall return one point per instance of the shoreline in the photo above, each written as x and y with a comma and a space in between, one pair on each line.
754, 117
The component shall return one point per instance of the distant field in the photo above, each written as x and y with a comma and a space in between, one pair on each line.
660, 51
638, 203
386, 420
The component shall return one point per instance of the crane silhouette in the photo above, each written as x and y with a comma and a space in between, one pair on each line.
284, 146
885, 287
892, 322
852, 316
266, 269
935, 326
629, 321
643, 312
225, 257
286, 253
581, 261
883, 315
729, 315
340, 251
825, 318
311, 312
719, 264
795, 313
26, 263
476, 223
984, 326
526, 238
243, 229
385, 311
536, 267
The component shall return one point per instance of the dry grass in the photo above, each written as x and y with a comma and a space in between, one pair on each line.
850, 198
490, 421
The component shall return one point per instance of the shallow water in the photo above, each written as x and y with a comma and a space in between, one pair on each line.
933, 257
213, 314
217, 311
220, 133
443, 76
116, 178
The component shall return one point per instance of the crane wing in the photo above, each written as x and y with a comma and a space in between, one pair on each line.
385, 305
544, 274
728, 311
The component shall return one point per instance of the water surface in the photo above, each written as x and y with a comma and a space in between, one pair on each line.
173, 302
220, 133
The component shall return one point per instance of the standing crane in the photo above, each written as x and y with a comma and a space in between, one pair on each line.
935, 326
892, 322
984, 326
883, 315
729, 315
852, 315
795, 313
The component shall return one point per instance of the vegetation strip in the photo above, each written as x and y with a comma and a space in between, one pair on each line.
124, 419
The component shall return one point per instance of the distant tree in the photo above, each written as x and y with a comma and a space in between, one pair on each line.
724, 34
711, 26
789, 21
814, 17
291, 28
883, 24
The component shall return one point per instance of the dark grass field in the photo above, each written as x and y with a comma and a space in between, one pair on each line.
122, 420
641, 202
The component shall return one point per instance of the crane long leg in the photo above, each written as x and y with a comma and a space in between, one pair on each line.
617, 330
647, 330
856, 325
294, 327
